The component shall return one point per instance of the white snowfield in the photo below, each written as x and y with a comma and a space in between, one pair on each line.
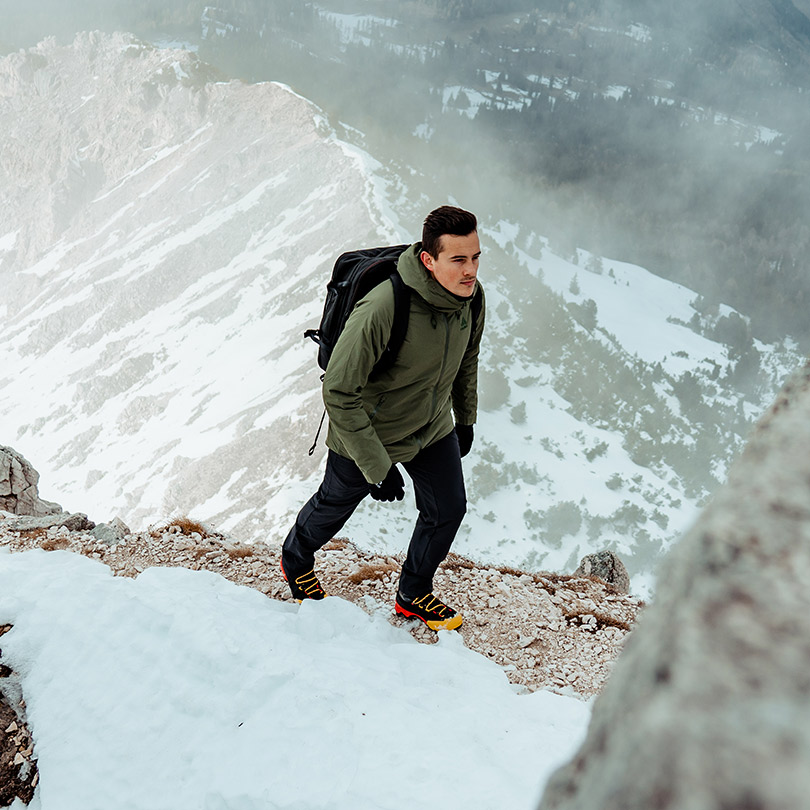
180, 689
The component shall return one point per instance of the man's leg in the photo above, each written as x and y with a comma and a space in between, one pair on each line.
438, 482
342, 489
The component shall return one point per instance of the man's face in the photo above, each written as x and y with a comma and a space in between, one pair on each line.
456, 266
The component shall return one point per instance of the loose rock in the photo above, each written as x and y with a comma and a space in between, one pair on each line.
521, 615
608, 567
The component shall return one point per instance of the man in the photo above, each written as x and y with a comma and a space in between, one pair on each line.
403, 415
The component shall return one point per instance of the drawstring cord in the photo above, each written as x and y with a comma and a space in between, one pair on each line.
314, 444
323, 416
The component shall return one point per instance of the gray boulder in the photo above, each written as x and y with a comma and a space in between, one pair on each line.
608, 567
708, 706
112, 532
73, 521
18, 486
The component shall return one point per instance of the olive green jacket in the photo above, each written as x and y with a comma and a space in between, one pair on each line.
380, 419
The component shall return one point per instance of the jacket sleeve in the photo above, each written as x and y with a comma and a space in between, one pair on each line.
358, 348
465, 385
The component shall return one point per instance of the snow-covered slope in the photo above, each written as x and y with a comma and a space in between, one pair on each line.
165, 240
180, 689
165, 246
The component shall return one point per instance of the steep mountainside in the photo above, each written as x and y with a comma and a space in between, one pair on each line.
148, 208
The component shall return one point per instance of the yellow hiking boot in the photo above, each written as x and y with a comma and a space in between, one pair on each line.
429, 609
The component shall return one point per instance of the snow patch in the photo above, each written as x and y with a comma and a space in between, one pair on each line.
211, 689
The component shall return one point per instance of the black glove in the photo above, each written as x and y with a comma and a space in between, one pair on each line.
465, 438
391, 488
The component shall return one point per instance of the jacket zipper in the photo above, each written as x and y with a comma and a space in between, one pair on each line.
444, 363
377, 407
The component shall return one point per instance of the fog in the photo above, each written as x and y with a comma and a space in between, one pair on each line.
25, 24
671, 139
674, 138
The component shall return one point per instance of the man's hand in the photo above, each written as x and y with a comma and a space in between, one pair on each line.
465, 438
391, 488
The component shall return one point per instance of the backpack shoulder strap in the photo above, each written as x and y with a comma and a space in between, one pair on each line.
399, 327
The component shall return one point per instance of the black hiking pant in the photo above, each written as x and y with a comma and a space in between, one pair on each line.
438, 484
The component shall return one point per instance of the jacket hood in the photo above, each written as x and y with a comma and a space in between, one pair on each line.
417, 277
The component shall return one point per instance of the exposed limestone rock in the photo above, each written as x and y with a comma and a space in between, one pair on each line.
608, 567
75, 522
110, 132
112, 532
18, 486
708, 704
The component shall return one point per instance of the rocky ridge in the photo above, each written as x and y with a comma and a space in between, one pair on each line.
546, 630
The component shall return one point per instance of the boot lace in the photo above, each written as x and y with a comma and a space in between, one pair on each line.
309, 584
431, 604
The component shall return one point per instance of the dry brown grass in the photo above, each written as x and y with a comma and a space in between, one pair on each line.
455, 562
34, 534
54, 543
508, 569
371, 572
577, 619
239, 552
576, 584
184, 524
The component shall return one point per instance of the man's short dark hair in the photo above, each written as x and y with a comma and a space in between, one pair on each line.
446, 219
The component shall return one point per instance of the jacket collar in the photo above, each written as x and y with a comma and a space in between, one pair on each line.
417, 277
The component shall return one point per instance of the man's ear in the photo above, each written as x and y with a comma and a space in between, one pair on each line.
427, 260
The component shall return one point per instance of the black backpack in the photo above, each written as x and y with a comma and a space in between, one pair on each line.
354, 275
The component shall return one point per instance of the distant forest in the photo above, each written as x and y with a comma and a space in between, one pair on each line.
626, 127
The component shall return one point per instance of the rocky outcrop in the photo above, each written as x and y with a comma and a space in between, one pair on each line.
73, 521
18, 486
708, 704
608, 567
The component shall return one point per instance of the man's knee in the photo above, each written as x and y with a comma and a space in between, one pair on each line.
455, 507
